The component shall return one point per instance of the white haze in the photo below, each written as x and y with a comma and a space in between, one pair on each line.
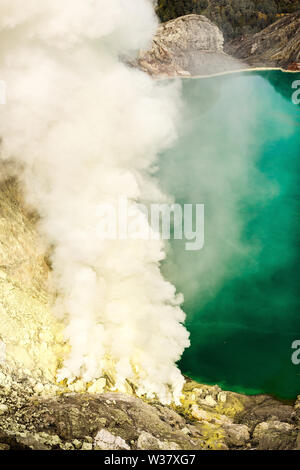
87, 129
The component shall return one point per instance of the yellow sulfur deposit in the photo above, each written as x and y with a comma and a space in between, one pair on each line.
31, 336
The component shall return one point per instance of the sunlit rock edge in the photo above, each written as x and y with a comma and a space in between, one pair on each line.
36, 412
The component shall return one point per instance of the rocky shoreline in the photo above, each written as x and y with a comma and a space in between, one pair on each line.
192, 45
36, 415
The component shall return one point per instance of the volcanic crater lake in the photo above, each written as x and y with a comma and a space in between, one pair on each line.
238, 154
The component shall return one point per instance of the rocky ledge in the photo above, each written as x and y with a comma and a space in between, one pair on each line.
37, 416
189, 45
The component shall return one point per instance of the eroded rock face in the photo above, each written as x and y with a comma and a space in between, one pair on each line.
278, 45
48, 419
105, 440
189, 45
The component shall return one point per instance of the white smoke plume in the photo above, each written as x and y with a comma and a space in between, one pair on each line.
86, 129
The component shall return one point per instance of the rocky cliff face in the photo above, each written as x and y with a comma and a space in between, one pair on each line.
38, 417
38, 413
189, 45
192, 45
30, 335
278, 45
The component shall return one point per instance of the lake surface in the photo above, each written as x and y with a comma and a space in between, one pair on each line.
238, 153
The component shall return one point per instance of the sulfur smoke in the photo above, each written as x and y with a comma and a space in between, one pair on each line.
86, 129
230, 138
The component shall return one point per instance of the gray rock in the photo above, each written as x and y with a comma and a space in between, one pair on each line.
278, 45
4, 447
275, 435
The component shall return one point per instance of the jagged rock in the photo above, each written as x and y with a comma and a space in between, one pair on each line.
23, 441
297, 447
237, 435
189, 45
278, 45
209, 401
104, 440
98, 386
36, 413
87, 446
222, 397
294, 67
193, 45
77, 444
25, 315
4, 447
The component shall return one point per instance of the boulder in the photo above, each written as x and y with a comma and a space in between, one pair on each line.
275, 435
189, 45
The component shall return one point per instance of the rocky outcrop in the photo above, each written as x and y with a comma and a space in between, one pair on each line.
39, 417
189, 45
294, 67
192, 45
29, 333
278, 45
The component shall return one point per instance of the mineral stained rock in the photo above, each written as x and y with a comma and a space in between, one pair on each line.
116, 421
25, 315
189, 45
278, 45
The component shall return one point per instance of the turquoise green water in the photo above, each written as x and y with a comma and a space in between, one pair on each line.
238, 153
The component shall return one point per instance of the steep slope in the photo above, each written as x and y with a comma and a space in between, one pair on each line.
35, 417
277, 45
234, 17
30, 335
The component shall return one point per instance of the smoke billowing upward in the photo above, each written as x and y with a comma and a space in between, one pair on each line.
86, 129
